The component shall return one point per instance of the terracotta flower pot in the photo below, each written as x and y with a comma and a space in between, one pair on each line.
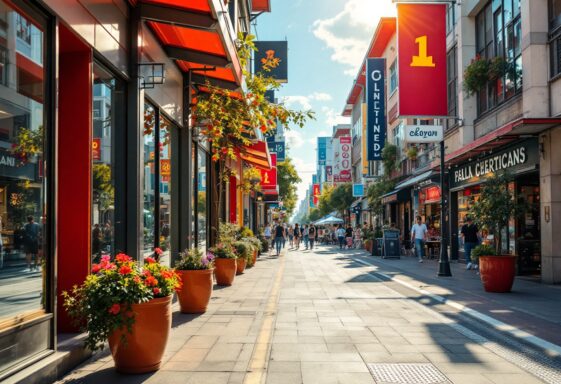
240, 266
255, 256
196, 291
144, 347
224, 271
497, 272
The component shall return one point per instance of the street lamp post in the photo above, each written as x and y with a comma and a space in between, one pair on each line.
444, 262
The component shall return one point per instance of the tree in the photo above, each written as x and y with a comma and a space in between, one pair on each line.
325, 204
375, 192
342, 198
288, 179
314, 215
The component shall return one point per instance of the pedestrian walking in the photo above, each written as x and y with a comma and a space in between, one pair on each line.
279, 236
357, 237
341, 236
267, 233
297, 236
419, 233
291, 236
312, 235
31, 242
306, 235
469, 233
349, 237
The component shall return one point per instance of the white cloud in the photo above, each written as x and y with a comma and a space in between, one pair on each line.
306, 101
294, 138
333, 118
349, 32
305, 171
320, 96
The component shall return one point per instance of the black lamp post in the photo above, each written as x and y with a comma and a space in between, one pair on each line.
444, 262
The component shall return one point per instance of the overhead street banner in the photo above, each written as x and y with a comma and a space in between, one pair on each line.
421, 35
342, 160
376, 107
279, 148
316, 192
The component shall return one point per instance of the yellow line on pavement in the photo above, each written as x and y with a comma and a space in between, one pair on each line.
261, 352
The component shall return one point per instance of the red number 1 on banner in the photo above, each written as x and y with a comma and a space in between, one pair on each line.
422, 60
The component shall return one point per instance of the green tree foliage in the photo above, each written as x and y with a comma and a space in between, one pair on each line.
325, 203
342, 197
314, 215
389, 159
375, 192
288, 179
103, 189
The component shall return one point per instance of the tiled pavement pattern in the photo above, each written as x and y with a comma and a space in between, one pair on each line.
330, 321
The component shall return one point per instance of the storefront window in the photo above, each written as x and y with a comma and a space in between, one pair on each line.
202, 198
103, 157
165, 187
149, 212
22, 167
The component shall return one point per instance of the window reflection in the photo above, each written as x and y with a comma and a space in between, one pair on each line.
165, 188
103, 181
149, 218
202, 198
22, 176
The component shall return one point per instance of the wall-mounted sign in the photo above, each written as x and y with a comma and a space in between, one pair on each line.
376, 107
316, 192
518, 158
421, 35
279, 148
277, 49
424, 133
96, 149
358, 190
342, 160
429, 195
269, 177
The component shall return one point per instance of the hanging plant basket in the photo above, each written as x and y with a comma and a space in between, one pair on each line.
412, 153
476, 75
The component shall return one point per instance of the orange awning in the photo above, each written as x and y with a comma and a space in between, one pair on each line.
257, 154
195, 34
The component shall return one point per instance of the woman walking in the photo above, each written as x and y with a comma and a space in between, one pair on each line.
279, 236
297, 235
291, 236
312, 235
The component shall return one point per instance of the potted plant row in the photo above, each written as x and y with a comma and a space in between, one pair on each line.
195, 269
129, 305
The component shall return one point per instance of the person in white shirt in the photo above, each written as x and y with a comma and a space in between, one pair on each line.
341, 236
419, 234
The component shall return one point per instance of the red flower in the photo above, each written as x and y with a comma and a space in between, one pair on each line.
114, 309
122, 258
137, 279
157, 291
125, 270
146, 273
149, 260
96, 268
167, 274
151, 281
158, 251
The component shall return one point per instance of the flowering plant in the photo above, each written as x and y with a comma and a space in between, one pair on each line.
102, 304
224, 251
195, 259
243, 249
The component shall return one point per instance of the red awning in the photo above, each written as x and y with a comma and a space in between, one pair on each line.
257, 154
261, 5
197, 34
384, 32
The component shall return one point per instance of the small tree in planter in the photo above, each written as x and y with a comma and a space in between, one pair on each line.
494, 209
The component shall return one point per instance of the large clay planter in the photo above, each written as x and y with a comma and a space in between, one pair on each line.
255, 257
497, 272
224, 271
145, 346
368, 246
241, 263
196, 291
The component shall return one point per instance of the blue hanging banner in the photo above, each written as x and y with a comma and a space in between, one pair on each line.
279, 148
376, 123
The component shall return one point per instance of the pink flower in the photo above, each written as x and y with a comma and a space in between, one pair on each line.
158, 251
114, 309
106, 258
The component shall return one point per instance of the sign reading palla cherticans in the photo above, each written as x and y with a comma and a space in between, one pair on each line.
424, 133
376, 107
421, 36
519, 158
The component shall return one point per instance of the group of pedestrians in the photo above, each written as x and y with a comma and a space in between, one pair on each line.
280, 232
349, 237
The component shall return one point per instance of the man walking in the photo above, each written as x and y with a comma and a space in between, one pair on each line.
419, 233
306, 235
469, 234
279, 237
341, 236
312, 235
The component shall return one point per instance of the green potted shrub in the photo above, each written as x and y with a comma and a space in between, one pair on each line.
195, 269
493, 210
476, 75
412, 153
224, 263
128, 305
256, 246
244, 251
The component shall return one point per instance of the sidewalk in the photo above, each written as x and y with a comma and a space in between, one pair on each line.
318, 317
531, 306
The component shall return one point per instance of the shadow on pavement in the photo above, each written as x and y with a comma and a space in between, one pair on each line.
108, 375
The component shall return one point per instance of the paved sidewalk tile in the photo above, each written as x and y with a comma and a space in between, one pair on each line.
323, 320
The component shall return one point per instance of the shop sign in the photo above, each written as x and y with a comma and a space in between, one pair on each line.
329, 172
165, 167
358, 190
269, 177
316, 193
421, 35
429, 195
513, 159
389, 199
11, 167
376, 107
342, 160
277, 49
96, 149
279, 148
424, 133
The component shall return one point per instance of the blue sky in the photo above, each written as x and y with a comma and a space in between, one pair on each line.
327, 41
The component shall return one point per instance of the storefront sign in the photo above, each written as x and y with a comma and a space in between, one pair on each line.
376, 107
269, 177
514, 159
429, 195
11, 167
389, 199
316, 192
277, 49
424, 133
329, 172
342, 160
96, 149
358, 190
421, 34
279, 148
165, 167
